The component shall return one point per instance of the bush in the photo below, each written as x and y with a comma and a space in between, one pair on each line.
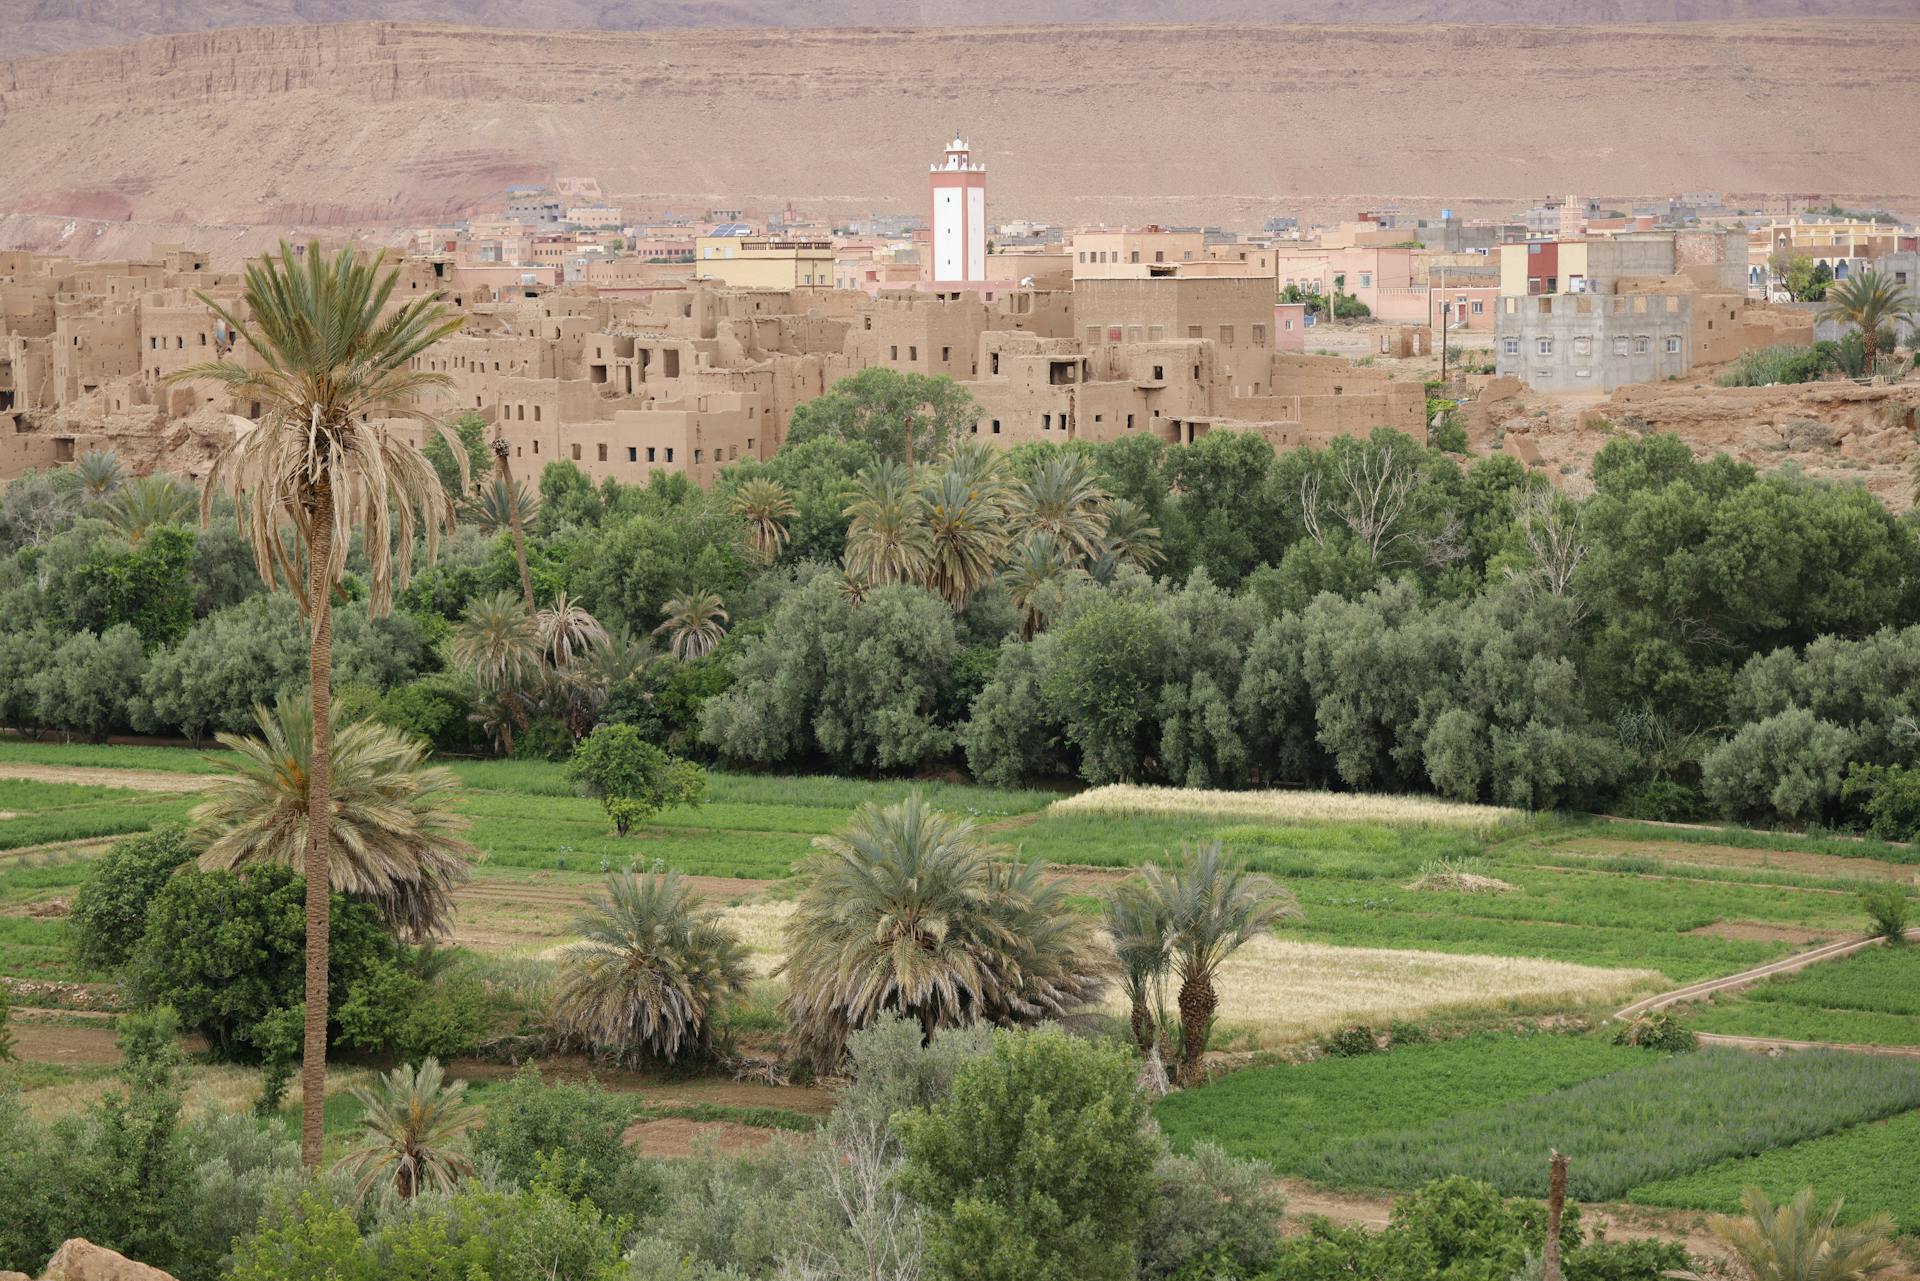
1887, 796
633, 779
1782, 363
434, 709
1787, 766
391, 1009
1351, 1041
1886, 907
1210, 1211
226, 951
897, 1069
1661, 800
531, 1124
110, 910
1037, 1167
1658, 1031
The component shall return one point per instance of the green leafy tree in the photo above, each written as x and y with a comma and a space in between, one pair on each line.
1102, 679
900, 416
633, 779
647, 980
534, 1126
110, 910
458, 470
1038, 1166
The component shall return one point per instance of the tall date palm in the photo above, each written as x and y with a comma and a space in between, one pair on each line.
1869, 300
327, 358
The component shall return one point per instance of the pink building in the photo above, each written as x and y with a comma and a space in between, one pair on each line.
1289, 326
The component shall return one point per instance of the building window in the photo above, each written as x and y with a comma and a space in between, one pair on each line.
1478, 306
536, 446
913, 353
749, 444
946, 354
1093, 338
1159, 373
996, 426
1129, 422
1366, 280
536, 413
1159, 256
1193, 331
1259, 335
1642, 345
1544, 346
602, 453
650, 453
669, 453
1511, 346
1673, 343
1046, 422
633, 454
576, 453
893, 353
699, 455
1583, 346
1619, 346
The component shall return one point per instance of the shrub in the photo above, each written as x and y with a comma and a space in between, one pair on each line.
110, 911
1886, 907
1037, 1167
1351, 1041
1787, 766
1887, 796
1661, 800
391, 1009
897, 1068
226, 951
1210, 1210
530, 1124
633, 779
1658, 1031
1781, 363
434, 709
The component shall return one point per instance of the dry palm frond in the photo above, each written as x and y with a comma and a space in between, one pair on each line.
567, 631
394, 842
412, 1121
647, 978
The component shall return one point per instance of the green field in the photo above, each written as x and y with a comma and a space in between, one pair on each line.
1288, 1116
1872, 1164
1669, 1117
1869, 998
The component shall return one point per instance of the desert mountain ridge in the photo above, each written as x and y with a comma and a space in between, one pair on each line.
41, 26
390, 124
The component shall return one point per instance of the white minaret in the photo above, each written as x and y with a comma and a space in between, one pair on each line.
959, 217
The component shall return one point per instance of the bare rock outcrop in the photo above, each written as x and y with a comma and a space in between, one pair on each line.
81, 1260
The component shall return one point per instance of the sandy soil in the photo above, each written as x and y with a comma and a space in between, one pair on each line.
1759, 932
1735, 856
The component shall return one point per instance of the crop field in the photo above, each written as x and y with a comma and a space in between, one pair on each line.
1286, 807
1677, 1115
1869, 998
1872, 1163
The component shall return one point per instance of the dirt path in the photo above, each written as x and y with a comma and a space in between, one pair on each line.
1746, 978
138, 780
673, 1137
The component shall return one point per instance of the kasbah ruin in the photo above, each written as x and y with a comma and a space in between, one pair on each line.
632, 341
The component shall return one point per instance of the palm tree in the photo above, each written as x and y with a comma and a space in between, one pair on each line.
766, 506
964, 505
1137, 920
886, 539
516, 513
1040, 566
905, 912
1212, 908
1791, 1243
501, 643
397, 844
1063, 499
1869, 299
100, 473
1131, 539
148, 502
695, 623
497, 507
412, 1120
328, 359
568, 631
651, 971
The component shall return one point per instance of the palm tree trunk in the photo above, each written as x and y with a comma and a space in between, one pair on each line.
1556, 1201
313, 1064
505, 472
1197, 1004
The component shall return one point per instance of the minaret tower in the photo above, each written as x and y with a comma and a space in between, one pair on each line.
959, 217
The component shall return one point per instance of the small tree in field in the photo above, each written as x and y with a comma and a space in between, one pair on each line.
1038, 1165
633, 779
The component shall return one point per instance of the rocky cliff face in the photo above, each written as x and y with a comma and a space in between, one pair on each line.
46, 25
385, 123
